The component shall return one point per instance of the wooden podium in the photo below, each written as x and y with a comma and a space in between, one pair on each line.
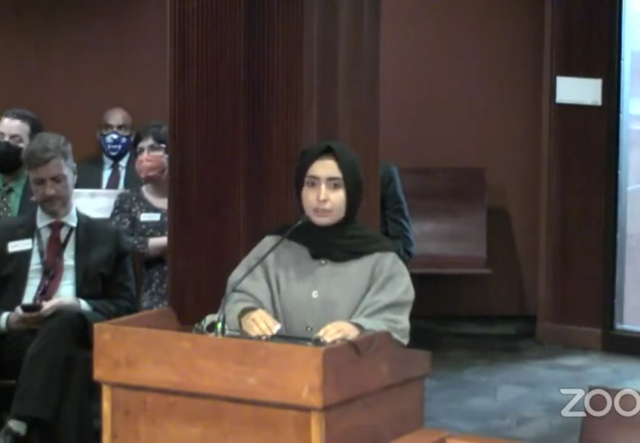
163, 384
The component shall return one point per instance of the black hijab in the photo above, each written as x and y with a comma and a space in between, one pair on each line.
347, 239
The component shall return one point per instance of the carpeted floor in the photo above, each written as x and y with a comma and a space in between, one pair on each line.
510, 388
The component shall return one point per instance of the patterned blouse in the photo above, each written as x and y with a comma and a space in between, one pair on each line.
141, 220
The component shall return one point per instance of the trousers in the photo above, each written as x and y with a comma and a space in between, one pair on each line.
53, 369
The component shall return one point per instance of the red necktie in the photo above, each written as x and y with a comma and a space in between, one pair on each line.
114, 178
54, 248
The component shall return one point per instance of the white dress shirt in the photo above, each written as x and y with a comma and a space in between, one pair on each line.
67, 286
106, 170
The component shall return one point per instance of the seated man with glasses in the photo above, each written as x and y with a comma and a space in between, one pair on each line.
60, 272
115, 168
142, 213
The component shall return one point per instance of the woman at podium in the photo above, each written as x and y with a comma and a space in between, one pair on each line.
328, 276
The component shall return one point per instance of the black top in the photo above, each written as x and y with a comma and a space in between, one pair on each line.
140, 220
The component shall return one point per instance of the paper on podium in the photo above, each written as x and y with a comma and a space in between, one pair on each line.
96, 203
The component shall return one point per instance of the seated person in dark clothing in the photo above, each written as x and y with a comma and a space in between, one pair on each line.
17, 128
142, 214
114, 168
60, 271
394, 214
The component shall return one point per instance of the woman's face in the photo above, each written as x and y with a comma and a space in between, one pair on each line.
152, 161
324, 198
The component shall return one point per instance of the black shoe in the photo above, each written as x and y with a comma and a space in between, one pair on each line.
8, 435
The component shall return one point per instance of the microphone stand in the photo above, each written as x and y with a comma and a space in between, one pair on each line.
221, 320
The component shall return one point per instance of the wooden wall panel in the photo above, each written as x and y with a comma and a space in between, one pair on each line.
342, 84
460, 86
71, 60
251, 83
581, 37
208, 132
274, 94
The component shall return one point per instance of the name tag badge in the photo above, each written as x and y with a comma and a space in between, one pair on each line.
150, 217
20, 245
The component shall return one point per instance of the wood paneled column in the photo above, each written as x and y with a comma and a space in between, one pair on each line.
251, 83
580, 41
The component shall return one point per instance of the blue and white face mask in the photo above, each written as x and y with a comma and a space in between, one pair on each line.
115, 145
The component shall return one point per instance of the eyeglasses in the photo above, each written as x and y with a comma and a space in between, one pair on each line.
152, 149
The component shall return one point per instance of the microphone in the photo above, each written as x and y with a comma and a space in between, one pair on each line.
221, 320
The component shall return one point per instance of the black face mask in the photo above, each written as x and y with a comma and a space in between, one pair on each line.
10, 158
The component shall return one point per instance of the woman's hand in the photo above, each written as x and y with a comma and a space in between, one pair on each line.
259, 323
338, 330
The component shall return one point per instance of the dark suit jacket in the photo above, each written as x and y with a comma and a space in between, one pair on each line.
104, 271
90, 174
27, 205
394, 214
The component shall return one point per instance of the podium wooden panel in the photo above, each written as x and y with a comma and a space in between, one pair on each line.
163, 384
478, 439
427, 435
